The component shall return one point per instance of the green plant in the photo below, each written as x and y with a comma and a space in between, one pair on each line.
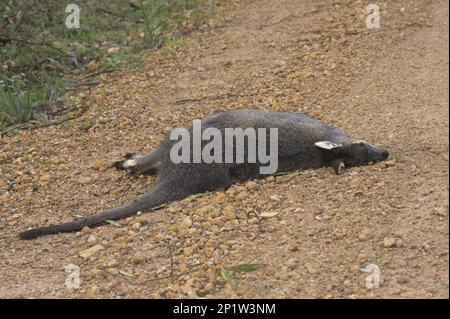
152, 14
15, 107
39, 55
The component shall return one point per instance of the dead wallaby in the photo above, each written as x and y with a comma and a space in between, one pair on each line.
303, 143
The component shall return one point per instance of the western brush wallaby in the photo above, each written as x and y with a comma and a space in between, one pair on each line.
303, 142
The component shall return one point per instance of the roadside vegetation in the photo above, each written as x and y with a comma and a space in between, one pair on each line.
41, 59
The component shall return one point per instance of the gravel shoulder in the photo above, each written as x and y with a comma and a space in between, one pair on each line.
312, 231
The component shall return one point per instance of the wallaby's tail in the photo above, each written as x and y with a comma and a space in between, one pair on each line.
145, 202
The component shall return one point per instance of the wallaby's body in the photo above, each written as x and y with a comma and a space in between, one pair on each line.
303, 142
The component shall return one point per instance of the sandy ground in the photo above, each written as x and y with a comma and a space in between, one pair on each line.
388, 86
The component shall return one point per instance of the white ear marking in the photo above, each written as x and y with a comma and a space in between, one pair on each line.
327, 145
361, 142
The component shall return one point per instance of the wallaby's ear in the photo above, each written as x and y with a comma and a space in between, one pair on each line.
327, 145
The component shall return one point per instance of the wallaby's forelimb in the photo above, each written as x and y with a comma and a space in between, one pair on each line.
145, 202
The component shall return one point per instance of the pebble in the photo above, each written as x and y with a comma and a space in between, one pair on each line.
276, 198
97, 165
292, 263
441, 211
136, 226
364, 234
241, 196
94, 291
188, 251
269, 214
91, 239
251, 185
84, 180
389, 242
112, 271
186, 223
402, 280
87, 253
137, 258
390, 163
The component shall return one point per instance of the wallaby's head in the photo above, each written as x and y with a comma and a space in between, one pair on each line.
354, 153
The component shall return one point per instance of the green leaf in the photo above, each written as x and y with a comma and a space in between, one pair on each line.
226, 275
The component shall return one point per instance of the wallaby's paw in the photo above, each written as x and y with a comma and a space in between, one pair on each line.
338, 166
128, 162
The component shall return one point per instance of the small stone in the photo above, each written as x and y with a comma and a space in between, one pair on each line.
173, 210
441, 211
86, 229
251, 185
269, 214
186, 223
137, 258
311, 269
94, 291
188, 251
112, 271
241, 196
402, 280
18, 295
389, 163
87, 253
204, 210
12, 223
364, 234
45, 178
292, 263
84, 180
228, 213
136, 226
97, 165
91, 239
218, 199
275, 198
389, 242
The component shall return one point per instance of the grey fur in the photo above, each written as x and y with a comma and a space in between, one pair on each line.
297, 149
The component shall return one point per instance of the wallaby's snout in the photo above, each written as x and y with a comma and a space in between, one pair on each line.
353, 153
376, 154
365, 153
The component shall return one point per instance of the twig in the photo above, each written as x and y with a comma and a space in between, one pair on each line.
220, 96
110, 12
12, 128
289, 17
11, 39
86, 83
97, 73
30, 127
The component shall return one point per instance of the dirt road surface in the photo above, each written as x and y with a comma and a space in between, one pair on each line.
387, 85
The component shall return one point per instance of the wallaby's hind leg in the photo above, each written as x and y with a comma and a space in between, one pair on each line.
141, 164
